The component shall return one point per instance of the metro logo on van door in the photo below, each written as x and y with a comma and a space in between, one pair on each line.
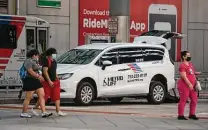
138, 74
135, 68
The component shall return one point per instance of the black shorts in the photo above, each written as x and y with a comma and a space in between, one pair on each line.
31, 84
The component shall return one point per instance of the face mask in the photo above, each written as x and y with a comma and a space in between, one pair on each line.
54, 56
36, 58
188, 58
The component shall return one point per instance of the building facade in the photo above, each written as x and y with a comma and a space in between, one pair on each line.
195, 25
65, 23
57, 14
7, 6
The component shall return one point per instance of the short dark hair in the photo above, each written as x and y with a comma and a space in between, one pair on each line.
183, 53
50, 51
31, 53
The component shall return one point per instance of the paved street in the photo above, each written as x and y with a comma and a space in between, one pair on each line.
103, 116
10, 121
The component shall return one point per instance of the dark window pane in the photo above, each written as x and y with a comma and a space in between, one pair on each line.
8, 39
153, 54
110, 56
30, 39
130, 55
42, 34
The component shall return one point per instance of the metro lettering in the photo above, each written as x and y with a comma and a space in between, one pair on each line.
111, 81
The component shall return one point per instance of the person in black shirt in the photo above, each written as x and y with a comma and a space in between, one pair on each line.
51, 84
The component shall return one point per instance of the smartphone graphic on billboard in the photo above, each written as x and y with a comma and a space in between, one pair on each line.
164, 17
164, 26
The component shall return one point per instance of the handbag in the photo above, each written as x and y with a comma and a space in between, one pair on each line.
198, 86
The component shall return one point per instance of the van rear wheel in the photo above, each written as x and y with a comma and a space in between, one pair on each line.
157, 93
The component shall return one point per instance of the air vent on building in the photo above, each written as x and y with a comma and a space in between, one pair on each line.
3, 3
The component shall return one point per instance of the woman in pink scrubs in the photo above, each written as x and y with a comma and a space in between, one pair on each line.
186, 87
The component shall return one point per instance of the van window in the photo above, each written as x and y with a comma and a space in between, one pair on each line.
8, 39
78, 56
31, 41
153, 54
130, 55
111, 55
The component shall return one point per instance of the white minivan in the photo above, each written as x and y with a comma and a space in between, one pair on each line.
118, 70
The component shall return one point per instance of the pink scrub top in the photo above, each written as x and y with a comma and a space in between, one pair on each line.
190, 74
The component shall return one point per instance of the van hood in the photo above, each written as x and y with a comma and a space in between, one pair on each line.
68, 68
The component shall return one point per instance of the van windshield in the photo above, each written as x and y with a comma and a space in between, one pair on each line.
78, 56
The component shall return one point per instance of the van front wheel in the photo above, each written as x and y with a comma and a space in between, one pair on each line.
157, 93
85, 94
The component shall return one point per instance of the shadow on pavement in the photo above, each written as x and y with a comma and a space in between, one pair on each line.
107, 103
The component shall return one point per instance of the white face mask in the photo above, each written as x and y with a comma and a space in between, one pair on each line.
54, 56
36, 58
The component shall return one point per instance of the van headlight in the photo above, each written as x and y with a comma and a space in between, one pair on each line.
64, 76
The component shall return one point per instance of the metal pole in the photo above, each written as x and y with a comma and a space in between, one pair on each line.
123, 29
121, 10
17, 8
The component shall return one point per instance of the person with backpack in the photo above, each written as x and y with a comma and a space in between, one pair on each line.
32, 83
51, 84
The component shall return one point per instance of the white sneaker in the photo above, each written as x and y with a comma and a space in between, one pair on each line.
46, 114
60, 113
34, 112
25, 115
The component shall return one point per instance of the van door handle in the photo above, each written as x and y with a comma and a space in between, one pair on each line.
124, 69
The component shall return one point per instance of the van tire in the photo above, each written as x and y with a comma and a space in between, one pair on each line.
156, 88
85, 88
115, 100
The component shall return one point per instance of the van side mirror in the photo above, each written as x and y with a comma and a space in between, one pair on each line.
106, 63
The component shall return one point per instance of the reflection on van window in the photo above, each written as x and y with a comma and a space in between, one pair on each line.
78, 56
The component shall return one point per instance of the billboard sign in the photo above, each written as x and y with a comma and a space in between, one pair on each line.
93, 18
145, 15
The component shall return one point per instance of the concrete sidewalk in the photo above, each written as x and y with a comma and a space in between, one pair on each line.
10, 98
10, 120
131, 109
